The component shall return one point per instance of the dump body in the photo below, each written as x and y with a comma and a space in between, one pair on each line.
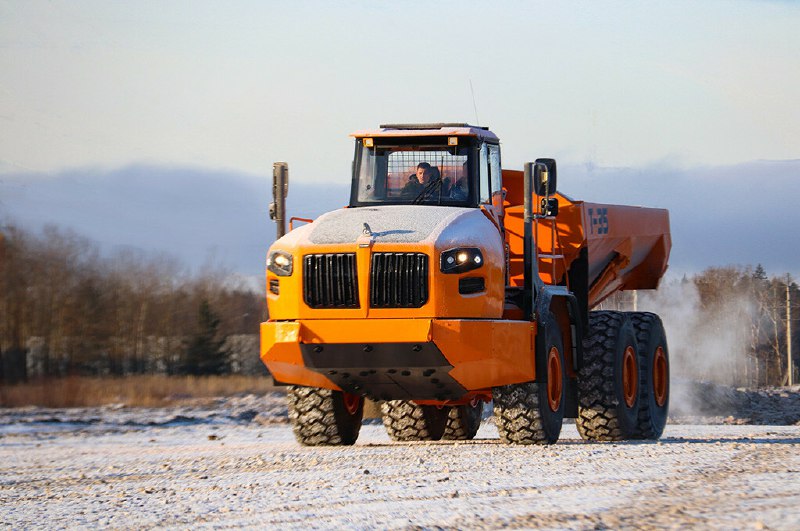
626, 247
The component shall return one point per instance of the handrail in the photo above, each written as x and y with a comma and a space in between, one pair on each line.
293, 218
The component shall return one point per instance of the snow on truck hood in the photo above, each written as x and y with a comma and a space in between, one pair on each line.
441, 227
388, 223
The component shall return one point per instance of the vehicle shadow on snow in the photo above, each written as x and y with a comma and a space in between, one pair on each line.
726, 440
577, 442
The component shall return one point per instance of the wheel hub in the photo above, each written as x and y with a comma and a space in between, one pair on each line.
660, 377
630, 376
351, 402
555, 379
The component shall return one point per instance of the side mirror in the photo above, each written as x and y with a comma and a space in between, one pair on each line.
544, 177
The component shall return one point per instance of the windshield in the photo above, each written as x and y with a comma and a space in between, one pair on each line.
412, 174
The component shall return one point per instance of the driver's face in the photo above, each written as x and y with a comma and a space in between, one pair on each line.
420, 174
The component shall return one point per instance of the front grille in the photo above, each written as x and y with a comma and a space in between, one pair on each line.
330, 281
399, 280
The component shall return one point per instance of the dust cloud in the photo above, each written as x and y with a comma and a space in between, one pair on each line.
704, 346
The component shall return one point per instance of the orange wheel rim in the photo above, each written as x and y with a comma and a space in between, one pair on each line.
555, 379
630, 376
351, 402
660, 377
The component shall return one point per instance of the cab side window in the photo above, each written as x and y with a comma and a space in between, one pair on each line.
484, 190
495, 169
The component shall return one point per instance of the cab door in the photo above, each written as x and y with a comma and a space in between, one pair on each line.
490, 174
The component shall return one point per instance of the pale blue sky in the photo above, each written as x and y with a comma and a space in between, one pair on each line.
237, 85
155, 124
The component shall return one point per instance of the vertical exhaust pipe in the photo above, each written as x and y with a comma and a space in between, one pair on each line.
280, 189
527, 253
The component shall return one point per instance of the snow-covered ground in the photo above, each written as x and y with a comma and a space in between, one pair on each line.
237, 465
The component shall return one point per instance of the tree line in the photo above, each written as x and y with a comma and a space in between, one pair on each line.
66, 309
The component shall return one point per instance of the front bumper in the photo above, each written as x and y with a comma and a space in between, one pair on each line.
410, 359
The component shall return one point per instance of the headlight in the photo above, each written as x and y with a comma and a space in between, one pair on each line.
280, 263
461, 260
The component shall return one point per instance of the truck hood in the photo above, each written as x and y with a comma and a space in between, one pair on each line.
388, 223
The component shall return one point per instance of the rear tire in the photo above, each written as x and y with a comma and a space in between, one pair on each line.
323, 417
463, 421
533, 412
654, 362
407, 421
609, 379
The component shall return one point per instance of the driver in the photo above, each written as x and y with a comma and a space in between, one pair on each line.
422, 169
416, 181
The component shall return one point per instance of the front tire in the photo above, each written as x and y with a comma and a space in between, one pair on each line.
407, 421
533, 412
463, 421
323, 417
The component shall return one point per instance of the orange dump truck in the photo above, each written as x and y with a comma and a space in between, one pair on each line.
448, 283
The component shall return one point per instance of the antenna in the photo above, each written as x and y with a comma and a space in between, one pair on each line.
475, 107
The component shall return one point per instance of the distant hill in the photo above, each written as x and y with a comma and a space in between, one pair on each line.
746, 214
720, 215
193, 214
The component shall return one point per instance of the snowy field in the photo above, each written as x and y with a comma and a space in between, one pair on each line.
239, 466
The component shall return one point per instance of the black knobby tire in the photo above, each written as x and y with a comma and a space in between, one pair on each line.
603, 412
321, 417
407, 421
523, 413
463, 421
654, 395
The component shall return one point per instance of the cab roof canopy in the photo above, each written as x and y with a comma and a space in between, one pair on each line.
438, 129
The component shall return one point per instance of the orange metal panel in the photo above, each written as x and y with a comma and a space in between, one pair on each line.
569, 239
365, 330
628, 248
484, 353
280, 352
487, 353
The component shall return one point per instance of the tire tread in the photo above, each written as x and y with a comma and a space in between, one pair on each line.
317, 419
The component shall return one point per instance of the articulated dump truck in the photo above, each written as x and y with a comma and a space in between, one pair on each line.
448, 283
